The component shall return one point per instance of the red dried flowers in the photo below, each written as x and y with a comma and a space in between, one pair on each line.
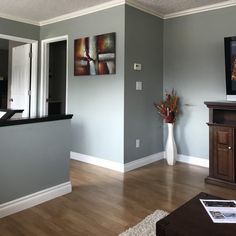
168, 109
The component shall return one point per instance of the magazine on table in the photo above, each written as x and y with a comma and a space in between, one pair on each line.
220, 211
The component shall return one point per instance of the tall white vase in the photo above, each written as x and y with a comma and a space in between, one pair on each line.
171, 151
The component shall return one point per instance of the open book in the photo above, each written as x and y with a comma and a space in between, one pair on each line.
220, 211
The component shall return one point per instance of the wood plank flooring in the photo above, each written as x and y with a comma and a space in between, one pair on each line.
105, 203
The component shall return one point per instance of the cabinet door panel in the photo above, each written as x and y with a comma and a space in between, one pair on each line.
223, 153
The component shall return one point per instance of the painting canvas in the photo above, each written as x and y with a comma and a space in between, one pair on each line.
95, 55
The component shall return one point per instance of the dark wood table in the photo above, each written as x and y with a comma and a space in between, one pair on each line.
191, 219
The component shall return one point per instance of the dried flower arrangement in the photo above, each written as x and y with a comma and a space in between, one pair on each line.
168, 109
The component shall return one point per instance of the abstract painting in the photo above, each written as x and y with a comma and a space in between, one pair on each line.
95, 55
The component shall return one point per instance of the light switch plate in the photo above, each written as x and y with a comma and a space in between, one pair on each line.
139, 85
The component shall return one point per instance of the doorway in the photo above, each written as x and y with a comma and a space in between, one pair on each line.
19, 89
54, 76
18, 75
4, 74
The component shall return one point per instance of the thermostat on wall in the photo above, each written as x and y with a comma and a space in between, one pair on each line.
137, 66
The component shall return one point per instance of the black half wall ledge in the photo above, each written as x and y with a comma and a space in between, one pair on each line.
31, 120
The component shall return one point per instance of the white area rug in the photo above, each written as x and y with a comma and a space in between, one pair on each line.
146, 227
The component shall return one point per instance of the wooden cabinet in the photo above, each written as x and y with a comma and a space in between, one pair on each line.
223, 153
222, 140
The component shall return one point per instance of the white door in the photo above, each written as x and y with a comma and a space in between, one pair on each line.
20, 81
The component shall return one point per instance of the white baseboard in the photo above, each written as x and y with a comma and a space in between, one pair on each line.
34, 199
97, 161
137, 163
193, 160
115, 165
143, 161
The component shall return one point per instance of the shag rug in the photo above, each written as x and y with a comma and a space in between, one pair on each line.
146, 227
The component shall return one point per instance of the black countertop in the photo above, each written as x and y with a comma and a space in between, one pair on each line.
31, 120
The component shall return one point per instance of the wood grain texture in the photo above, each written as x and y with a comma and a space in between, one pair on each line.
223, 156
104, 202
222, 130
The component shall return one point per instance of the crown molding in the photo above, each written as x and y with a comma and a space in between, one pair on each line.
211, 7
18, 19
115, 3
143, 8
86, 11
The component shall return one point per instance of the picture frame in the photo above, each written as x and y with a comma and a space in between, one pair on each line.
95, 55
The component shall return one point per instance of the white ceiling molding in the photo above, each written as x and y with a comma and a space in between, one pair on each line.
86, 11
201, 9
22, 20
115, 3
143, 8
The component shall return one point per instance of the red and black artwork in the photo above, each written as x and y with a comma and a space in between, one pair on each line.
95, 55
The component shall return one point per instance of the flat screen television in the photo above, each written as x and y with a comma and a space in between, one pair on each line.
230, 67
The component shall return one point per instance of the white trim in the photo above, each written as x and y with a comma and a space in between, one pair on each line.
86, 11
143, 161
34, 199
18, 39
211, 7
120, 167
55, 39
43, 81
67, 75
137, 163
44, 73
97, 161
34, 81
193, 160
141, 7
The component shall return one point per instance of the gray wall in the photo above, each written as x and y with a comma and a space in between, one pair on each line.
194, 66
97, 102
143, 44
109, 114
33, 157
14, 28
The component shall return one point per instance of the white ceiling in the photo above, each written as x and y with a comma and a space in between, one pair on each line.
172, 6
38, 11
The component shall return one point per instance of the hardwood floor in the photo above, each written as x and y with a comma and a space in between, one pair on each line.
104, 202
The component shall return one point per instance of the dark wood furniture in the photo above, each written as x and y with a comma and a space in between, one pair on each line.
222, 143
191, 219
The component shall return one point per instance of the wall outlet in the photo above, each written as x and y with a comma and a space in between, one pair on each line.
137, 143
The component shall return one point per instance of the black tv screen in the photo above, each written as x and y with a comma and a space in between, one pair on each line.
230, 65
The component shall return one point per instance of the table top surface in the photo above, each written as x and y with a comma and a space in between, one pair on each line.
191, 219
